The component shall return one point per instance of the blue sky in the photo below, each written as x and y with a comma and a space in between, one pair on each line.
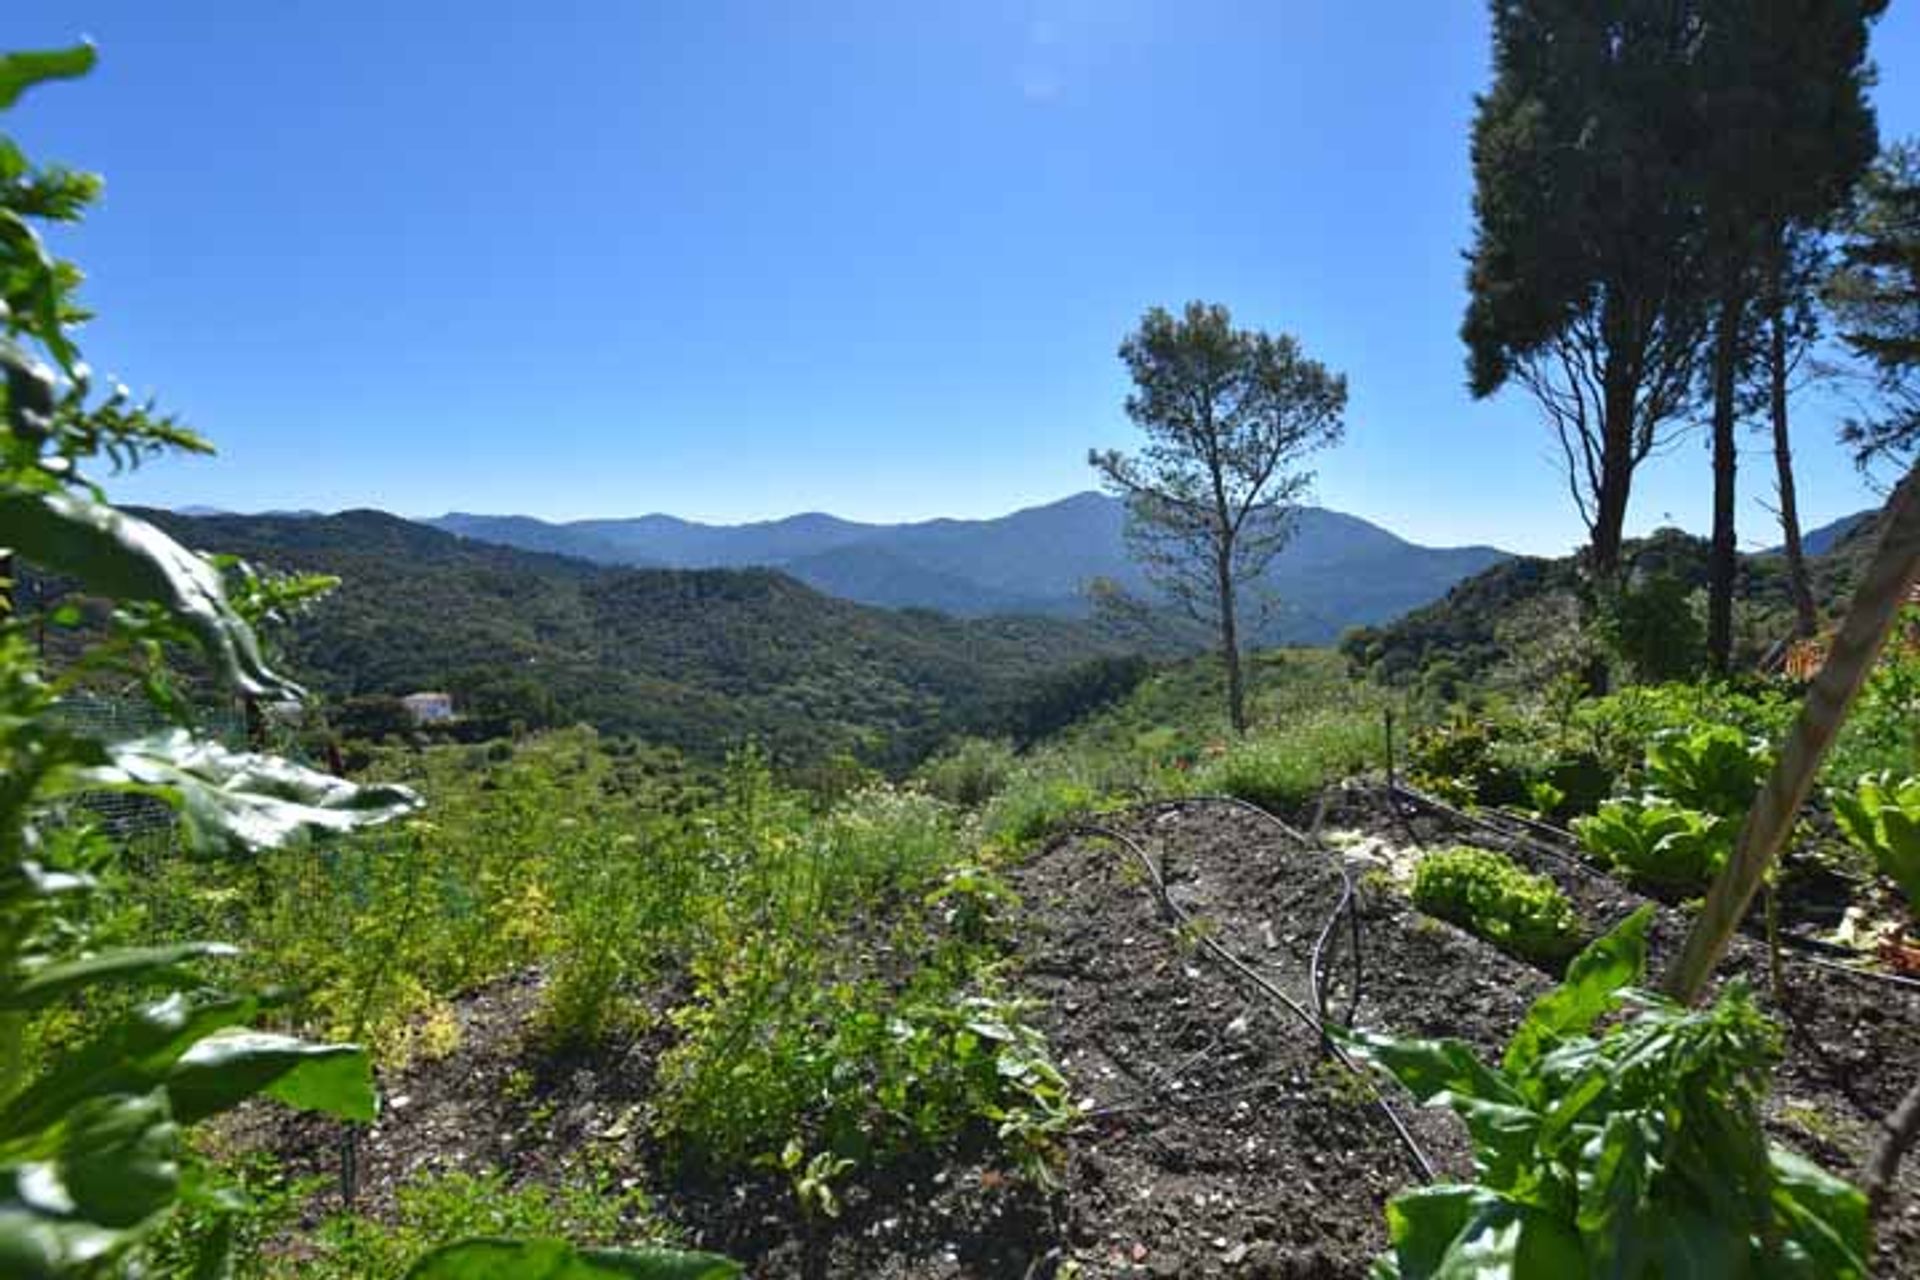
735, 260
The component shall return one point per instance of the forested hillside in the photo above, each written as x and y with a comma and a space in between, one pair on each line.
1529, 606
697, 659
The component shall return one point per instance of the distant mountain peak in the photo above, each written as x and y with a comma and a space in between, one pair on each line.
1339, 570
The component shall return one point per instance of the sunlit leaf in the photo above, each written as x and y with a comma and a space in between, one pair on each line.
1608, 964
224, 1070
47, 983
127, 559
244, 799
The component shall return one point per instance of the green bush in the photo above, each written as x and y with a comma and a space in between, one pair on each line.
1619, 726
1657, 843
1466, 760
1034, 804
1288, 766
1490, 895
1655, 628
969, 773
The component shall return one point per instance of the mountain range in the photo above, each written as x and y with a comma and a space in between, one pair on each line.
1337, 571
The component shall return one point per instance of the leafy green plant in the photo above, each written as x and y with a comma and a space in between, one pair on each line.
436, 1211
1490, 895
94, 1162
1620, 1135
92, 1157
1717, 769
558, 1260
812, 1178
1881, 817
1657, 843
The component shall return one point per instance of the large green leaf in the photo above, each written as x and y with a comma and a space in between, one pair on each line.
243, 799
1610, 963
556, 1260
1435, 1071
225, 1069
111, 1176
1466, 1233
1615, 1175
1422, 1225
124, 558
21, 71
49, 982
1827, 1231
131, 1055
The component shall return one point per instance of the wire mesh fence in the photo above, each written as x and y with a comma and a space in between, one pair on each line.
121, 814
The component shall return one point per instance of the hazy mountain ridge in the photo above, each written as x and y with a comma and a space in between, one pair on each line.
1338, 571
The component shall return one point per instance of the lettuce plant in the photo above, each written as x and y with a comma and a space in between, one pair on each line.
1658, 843
1490, 895
1881, 817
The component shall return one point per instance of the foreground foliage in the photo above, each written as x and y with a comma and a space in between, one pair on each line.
1620, 1135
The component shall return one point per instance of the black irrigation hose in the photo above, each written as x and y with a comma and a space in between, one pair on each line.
1316, 970
1802, 949
1246, 971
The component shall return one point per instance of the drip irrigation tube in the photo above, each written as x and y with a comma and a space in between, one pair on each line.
1265, 985
1317, 969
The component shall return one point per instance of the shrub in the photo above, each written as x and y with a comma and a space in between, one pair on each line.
1035, 804
1288, 766
1881, 817
1462, 760
1490, 895
1657, 843
970, 773
1633, 1150
1655, 629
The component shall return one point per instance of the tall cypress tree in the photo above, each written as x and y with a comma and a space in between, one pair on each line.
1582, 269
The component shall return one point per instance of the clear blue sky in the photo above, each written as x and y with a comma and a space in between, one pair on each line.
735, 260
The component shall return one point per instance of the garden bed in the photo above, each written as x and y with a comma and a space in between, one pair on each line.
1219, 1139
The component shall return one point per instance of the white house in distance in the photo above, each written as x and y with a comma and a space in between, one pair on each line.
429, 708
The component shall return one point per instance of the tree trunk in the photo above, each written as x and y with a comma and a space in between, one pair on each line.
1723, 557
1230, 645
1806, 619
1616, 481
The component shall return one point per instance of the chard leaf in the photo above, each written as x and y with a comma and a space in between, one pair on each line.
224, 1070
1827, 1232
1611, 962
